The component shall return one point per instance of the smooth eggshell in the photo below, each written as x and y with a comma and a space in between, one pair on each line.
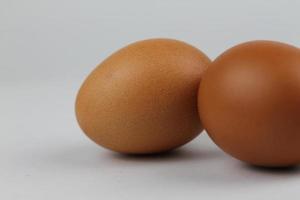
249, 103
143, 98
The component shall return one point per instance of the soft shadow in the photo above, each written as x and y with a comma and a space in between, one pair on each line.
226, 172
274, 170
86, 155
191, 165
177, 155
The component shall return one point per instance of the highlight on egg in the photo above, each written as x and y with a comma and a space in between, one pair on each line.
249, 103
143, 98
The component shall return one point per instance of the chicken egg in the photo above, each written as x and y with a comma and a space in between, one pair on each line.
249, 103
143, 98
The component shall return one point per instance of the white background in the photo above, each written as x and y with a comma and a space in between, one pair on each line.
47, 47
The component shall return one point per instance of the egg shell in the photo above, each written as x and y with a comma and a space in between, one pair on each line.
249, 103
143, 98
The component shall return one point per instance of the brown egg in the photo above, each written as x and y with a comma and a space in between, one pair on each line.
249, 103
143, 98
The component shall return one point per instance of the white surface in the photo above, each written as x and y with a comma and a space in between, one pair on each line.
44, 155
48, 47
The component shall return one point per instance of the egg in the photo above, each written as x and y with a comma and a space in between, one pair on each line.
143, 98
249, 103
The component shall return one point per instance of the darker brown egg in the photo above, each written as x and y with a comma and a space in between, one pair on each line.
249, 103
143, 98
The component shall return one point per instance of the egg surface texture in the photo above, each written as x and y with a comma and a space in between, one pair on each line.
143, 98
249, 103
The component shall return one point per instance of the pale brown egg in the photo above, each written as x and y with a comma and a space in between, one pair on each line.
143, 98
249, 103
